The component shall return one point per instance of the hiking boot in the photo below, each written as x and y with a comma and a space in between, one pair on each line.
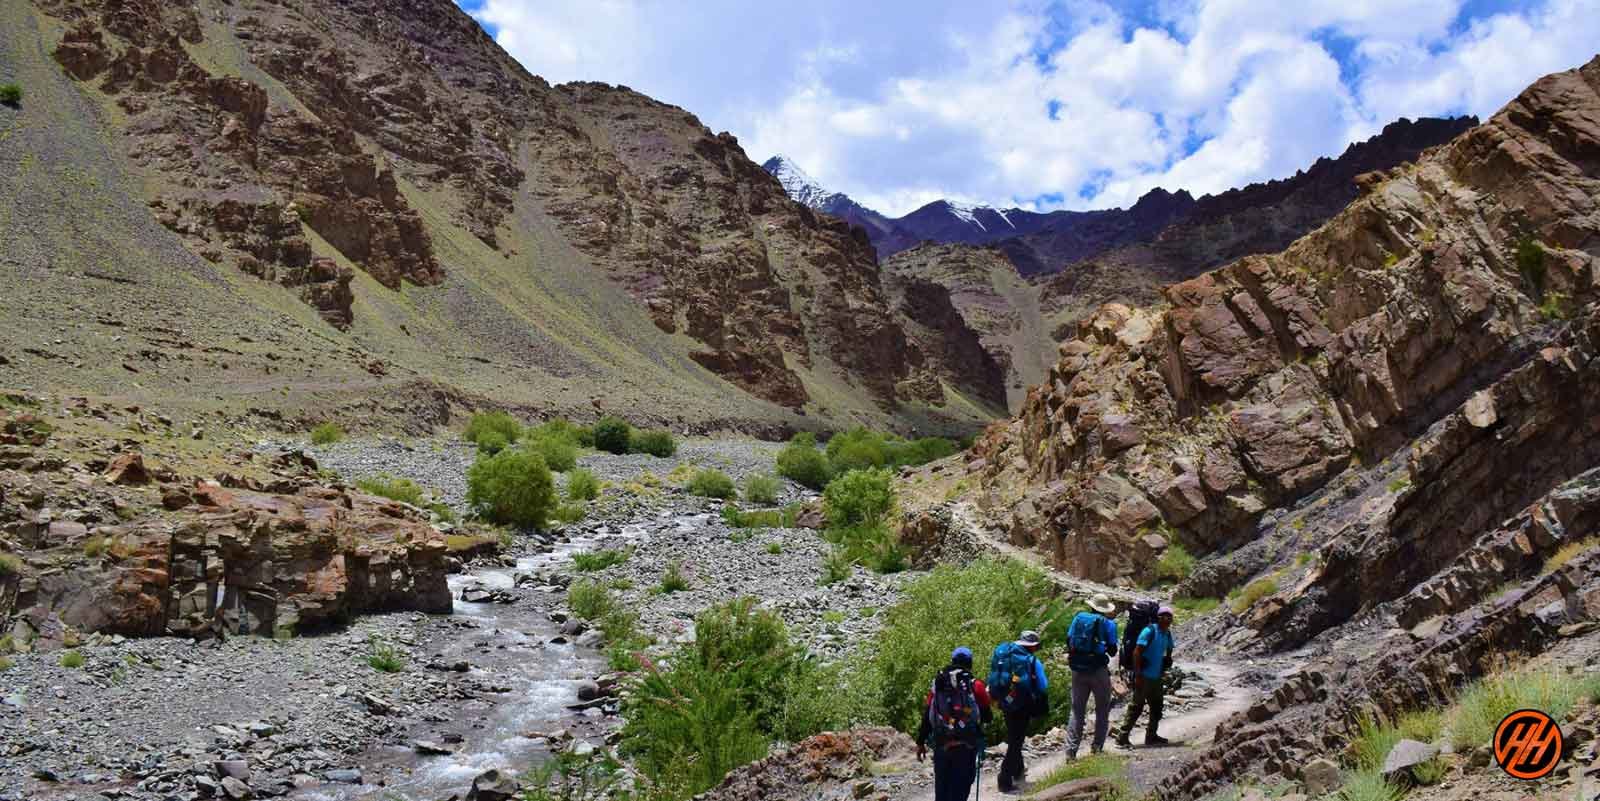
1123, 743
1156, 739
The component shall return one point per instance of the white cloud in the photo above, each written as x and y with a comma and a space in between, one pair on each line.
899, 103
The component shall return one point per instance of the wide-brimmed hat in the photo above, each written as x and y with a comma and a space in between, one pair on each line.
1029, 639
1100, 603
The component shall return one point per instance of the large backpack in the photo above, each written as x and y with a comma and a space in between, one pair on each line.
1085, 635
1140, 616
1011, 677
953, 713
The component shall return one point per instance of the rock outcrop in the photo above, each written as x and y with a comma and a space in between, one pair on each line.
833, 766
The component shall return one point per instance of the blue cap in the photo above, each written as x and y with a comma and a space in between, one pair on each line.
961, 655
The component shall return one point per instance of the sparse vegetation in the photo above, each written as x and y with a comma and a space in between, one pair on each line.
1196, 606
1374, 740
655, 442
1400, 484
761, 518
836, 567
589, 600
382, 657
326, 434
1479, 708
10, 95
1557, 560
801, 462
504, 428
513, 487
711, 483
762, 489
71, 659
590, 561
1530, 262
5, 664
1175, 563
774, 548
673, 580
384, 485
1095, 765
1242, 599
582, 485
10, 565
612, 434
1369, 785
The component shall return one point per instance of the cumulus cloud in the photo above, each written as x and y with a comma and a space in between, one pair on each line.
1076, 104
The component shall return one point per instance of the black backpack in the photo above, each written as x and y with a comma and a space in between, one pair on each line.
953, 712
1140, 616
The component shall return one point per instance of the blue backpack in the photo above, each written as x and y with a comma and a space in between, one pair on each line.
1011, 677
1087, 637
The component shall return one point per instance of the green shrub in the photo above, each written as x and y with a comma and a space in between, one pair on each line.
383, 657
589, 600
623, 638
1480, 708
711, 483
559, 453
802, 463
559, 428
655, 442
922, 451
513, 487
71, 659
857, 449
5, 664
611, 434
569, 776
384, 485
590, 561
761, 489
869, 544
10, 94
442, 510
326, 434
836, 567
1530, 262
1196, 606
10, 565
1174, 564
858, 497
569, 513
1369, 785
673, 580
582, 485
1374, 740
1242, 600
1093, 766
492, 442
761, 518
484, 423
774, 548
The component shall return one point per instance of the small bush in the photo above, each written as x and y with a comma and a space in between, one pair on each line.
513, 487
1174, 564
1196, 606
5, 664
1557, 560
582, 485
1483, 704
484, 423
590, 561
761, 518
569, 513
71, 659
442, 510
761, 489
673, 580
559, 453
403, 490
836, 567
1241, 600
1374, 740
858, 497
711, 483
10, 94
383, 657
774, 548
326, 434
492, 442
802, 463
589, 600
1369, 785
560, 428
870, 544
10, 565
655, 442
1530, 262
927, 449
611, 434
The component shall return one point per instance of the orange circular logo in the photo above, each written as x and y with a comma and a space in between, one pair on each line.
1527, 744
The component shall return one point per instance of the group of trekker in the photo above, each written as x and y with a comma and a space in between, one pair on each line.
959, 705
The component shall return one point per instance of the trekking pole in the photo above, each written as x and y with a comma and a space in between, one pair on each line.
977, 784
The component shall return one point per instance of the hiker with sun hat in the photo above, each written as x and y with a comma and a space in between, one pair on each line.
1091, 642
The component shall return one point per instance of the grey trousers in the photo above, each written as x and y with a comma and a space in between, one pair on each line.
1097, 682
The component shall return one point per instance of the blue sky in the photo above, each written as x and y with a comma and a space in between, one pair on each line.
1050, 104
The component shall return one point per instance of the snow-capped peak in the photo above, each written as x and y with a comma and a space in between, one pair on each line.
802, 188
965, 212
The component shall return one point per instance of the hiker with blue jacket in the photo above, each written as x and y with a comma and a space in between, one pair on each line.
1152, 658
1091, 642
1017, 682
952, 722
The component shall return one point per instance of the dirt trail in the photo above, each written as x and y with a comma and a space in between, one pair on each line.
1190, 731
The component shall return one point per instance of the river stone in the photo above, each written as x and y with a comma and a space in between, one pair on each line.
493, 785
236, 790
343, 776
1406, 755
236, 768
1320, 777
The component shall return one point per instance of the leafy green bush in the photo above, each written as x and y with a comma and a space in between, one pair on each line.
762, 489
10, 565
484, 423
711, 483
71, 659
801, 462
774, 548
611, 434
836, 567
383, 657
673, 580
589, 600
655, 442
10, 94
326, 434
857, 449
569, 513
1480, 708
569, 776
560, 453
1174, 564
590, 561
560, 428
761, 518
869, 544
384, 485
492, 442
582, 485
858, 497
512, 487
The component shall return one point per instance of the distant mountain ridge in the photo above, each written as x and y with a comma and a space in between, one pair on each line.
1046, 243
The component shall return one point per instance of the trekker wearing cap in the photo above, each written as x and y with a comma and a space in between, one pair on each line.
1151, 659
1018, 683
1091, 642
954, 712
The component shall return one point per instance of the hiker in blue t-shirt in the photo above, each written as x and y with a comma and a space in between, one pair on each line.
1091, 642
1151, 660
